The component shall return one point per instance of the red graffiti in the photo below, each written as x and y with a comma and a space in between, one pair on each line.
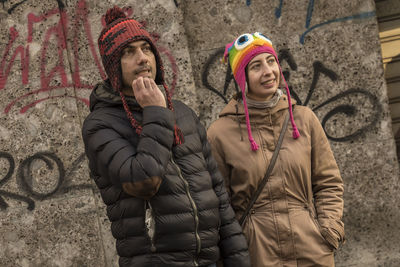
24, 53
56, 36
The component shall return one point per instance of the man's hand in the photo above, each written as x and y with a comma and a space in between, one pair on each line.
147, 92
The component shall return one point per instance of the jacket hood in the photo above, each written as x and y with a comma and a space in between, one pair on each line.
235, 107
103, 95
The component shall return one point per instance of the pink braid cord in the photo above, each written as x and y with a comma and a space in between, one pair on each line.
295, 132
253, 143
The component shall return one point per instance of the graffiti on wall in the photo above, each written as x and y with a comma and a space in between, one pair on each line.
25, 177
59, 41
67, 27
10, 10
72, 27
308, 17
319, 71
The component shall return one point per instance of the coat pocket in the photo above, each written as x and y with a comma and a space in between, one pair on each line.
321, 230
307, 233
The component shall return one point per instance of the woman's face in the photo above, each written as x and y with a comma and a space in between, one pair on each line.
263, 77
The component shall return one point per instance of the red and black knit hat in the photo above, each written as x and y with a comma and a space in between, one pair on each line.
116, 35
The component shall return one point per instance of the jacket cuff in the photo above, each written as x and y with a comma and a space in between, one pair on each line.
159, 115
332, 231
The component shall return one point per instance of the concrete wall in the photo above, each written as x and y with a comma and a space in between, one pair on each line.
50, 211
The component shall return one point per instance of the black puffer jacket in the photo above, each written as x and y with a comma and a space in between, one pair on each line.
193, 221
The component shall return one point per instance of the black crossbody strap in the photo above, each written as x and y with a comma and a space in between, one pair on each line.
268, 173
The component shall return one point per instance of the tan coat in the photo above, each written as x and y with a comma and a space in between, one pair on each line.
297, 218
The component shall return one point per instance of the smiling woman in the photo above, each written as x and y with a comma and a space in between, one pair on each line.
297, 207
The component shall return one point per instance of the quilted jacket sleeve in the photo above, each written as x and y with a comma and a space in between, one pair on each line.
137, 168
233, 245
327, 185
219, 158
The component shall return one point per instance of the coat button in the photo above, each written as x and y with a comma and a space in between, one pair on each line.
253, 211
271, 147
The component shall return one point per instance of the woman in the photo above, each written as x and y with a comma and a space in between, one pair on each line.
296, 220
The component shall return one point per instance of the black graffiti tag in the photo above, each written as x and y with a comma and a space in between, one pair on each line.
8, 175
25, 178
350, 110
214, 59
284, 54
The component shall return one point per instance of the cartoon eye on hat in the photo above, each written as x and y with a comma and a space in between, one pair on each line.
243, 41
261, 36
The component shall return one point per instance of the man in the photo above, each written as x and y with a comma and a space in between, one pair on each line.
150, 158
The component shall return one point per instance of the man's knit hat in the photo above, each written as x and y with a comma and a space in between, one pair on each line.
240, 52
119, 32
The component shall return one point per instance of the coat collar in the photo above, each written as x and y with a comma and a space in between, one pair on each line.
235, 107
103, 95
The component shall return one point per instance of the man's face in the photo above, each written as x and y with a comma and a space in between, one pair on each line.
137, 60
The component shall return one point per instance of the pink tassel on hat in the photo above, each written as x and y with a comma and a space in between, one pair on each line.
253, 143
295, 131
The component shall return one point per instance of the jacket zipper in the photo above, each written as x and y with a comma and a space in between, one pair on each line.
195, 211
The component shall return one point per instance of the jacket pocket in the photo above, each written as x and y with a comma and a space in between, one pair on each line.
308, 240
322, 231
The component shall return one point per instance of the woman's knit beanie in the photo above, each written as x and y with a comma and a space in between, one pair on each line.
118, 32
240, 52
